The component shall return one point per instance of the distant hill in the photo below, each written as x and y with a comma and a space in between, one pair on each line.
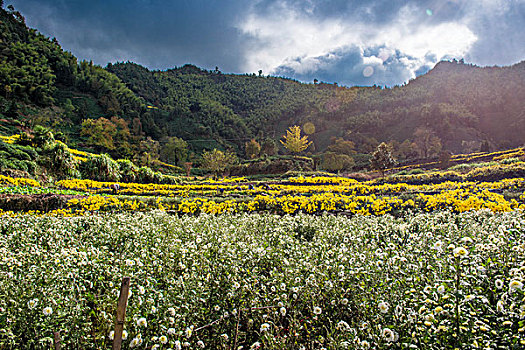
455, 106
460, 104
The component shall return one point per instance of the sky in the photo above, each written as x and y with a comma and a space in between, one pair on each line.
351, 42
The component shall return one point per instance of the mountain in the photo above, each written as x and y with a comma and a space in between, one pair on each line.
130, 109
457, 103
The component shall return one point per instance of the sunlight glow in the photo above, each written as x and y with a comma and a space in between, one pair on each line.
368, 71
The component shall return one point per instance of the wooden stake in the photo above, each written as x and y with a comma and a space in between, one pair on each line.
237, 328
57, 341
121, 313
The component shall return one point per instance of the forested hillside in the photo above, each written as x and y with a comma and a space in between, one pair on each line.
131, 112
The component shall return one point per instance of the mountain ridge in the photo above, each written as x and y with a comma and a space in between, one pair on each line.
454, 106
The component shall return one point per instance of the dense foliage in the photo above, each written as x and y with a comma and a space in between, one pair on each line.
429, 281
454, 107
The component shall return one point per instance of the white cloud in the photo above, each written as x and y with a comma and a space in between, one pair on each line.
287, 37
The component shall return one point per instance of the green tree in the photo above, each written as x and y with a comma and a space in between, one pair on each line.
269, 147
174, 150
100, 133
341, 146
252, 149
293, 140
485, 146
428, 142
444, 159
148, 152
407, 150
43, 136
217, 161
382, 159
336, 162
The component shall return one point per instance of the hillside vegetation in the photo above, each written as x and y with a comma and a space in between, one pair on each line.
131, 112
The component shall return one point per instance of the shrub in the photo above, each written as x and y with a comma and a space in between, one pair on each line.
145, 175
127, 170
59, 161
100, 168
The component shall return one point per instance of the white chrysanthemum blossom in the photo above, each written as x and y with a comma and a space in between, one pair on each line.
171, 331
47, 311
177, 345
32, 303
398, 311
282, 311
383, 306
135, 342
265, 327
171, 311
189, 331
343, 326
124, 334
200, 344
500, 306
141, 322
499, 284
460, 252
441, 289
155, 347
317, 310
466, 240
142, 290
111, 335
515, 285
470, 297
163, 339
389, 335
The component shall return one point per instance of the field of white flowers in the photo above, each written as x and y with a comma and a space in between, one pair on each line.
428, 281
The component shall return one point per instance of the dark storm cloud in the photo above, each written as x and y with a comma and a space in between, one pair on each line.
501, 36
158, 34
375, 12
352, 42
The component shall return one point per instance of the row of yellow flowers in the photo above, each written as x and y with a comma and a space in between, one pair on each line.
496, 156
518, 153
460, 200
299, 185
9, 139
294, 186
17, 181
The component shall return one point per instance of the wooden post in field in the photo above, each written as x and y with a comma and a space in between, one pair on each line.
57, 341
121, 313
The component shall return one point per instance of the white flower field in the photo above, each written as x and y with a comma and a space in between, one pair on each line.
427, 281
